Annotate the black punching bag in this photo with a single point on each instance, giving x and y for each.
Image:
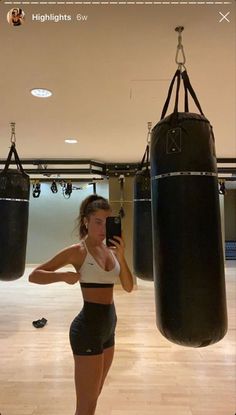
(142, 225)
(14, 206)
(188, 254)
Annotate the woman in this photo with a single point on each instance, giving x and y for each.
(17, 17)
(97, 269)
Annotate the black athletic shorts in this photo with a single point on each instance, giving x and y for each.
(93, 330)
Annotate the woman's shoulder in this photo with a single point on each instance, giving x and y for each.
(78, 252)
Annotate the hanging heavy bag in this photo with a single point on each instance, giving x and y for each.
(14, 206)
(142, 223)
(188, 255)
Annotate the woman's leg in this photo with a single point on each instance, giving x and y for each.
(90, 374)
(108, 357)
(88, 378)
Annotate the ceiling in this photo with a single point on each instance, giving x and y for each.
(109, 75)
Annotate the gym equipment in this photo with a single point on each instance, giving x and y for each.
(36, 189)
(14, 206)
(188, 254)
(142, 220)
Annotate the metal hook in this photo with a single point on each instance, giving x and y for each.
(180, 50)
(13, 133)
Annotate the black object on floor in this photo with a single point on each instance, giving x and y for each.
(38, 324)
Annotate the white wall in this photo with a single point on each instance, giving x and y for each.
(52, 220)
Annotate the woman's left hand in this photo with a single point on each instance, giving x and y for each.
(118, 248)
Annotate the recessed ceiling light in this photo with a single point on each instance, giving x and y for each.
(41, 93)
(71, 141)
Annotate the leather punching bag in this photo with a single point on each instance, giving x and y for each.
(14, 206)
(142, 224)
(188, 254)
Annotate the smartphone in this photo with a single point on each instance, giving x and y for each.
(113, 228)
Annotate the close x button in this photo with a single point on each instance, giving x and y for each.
(224, 17)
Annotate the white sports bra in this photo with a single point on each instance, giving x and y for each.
(92, 273)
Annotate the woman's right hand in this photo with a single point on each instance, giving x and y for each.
(72, 277)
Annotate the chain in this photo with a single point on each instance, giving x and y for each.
(149, 132)
(13, 133)
(180, 58)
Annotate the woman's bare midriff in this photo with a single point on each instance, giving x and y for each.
(98, 295)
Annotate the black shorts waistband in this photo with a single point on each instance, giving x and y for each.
(97, 310)
(97, 313)
(98, 305)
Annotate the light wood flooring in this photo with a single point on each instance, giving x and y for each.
(149, 376)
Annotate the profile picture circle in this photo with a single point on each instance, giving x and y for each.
(16, 17)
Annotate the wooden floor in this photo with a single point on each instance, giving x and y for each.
(149, 376)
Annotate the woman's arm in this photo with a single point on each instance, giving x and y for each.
(126, 277)
(45, 273)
